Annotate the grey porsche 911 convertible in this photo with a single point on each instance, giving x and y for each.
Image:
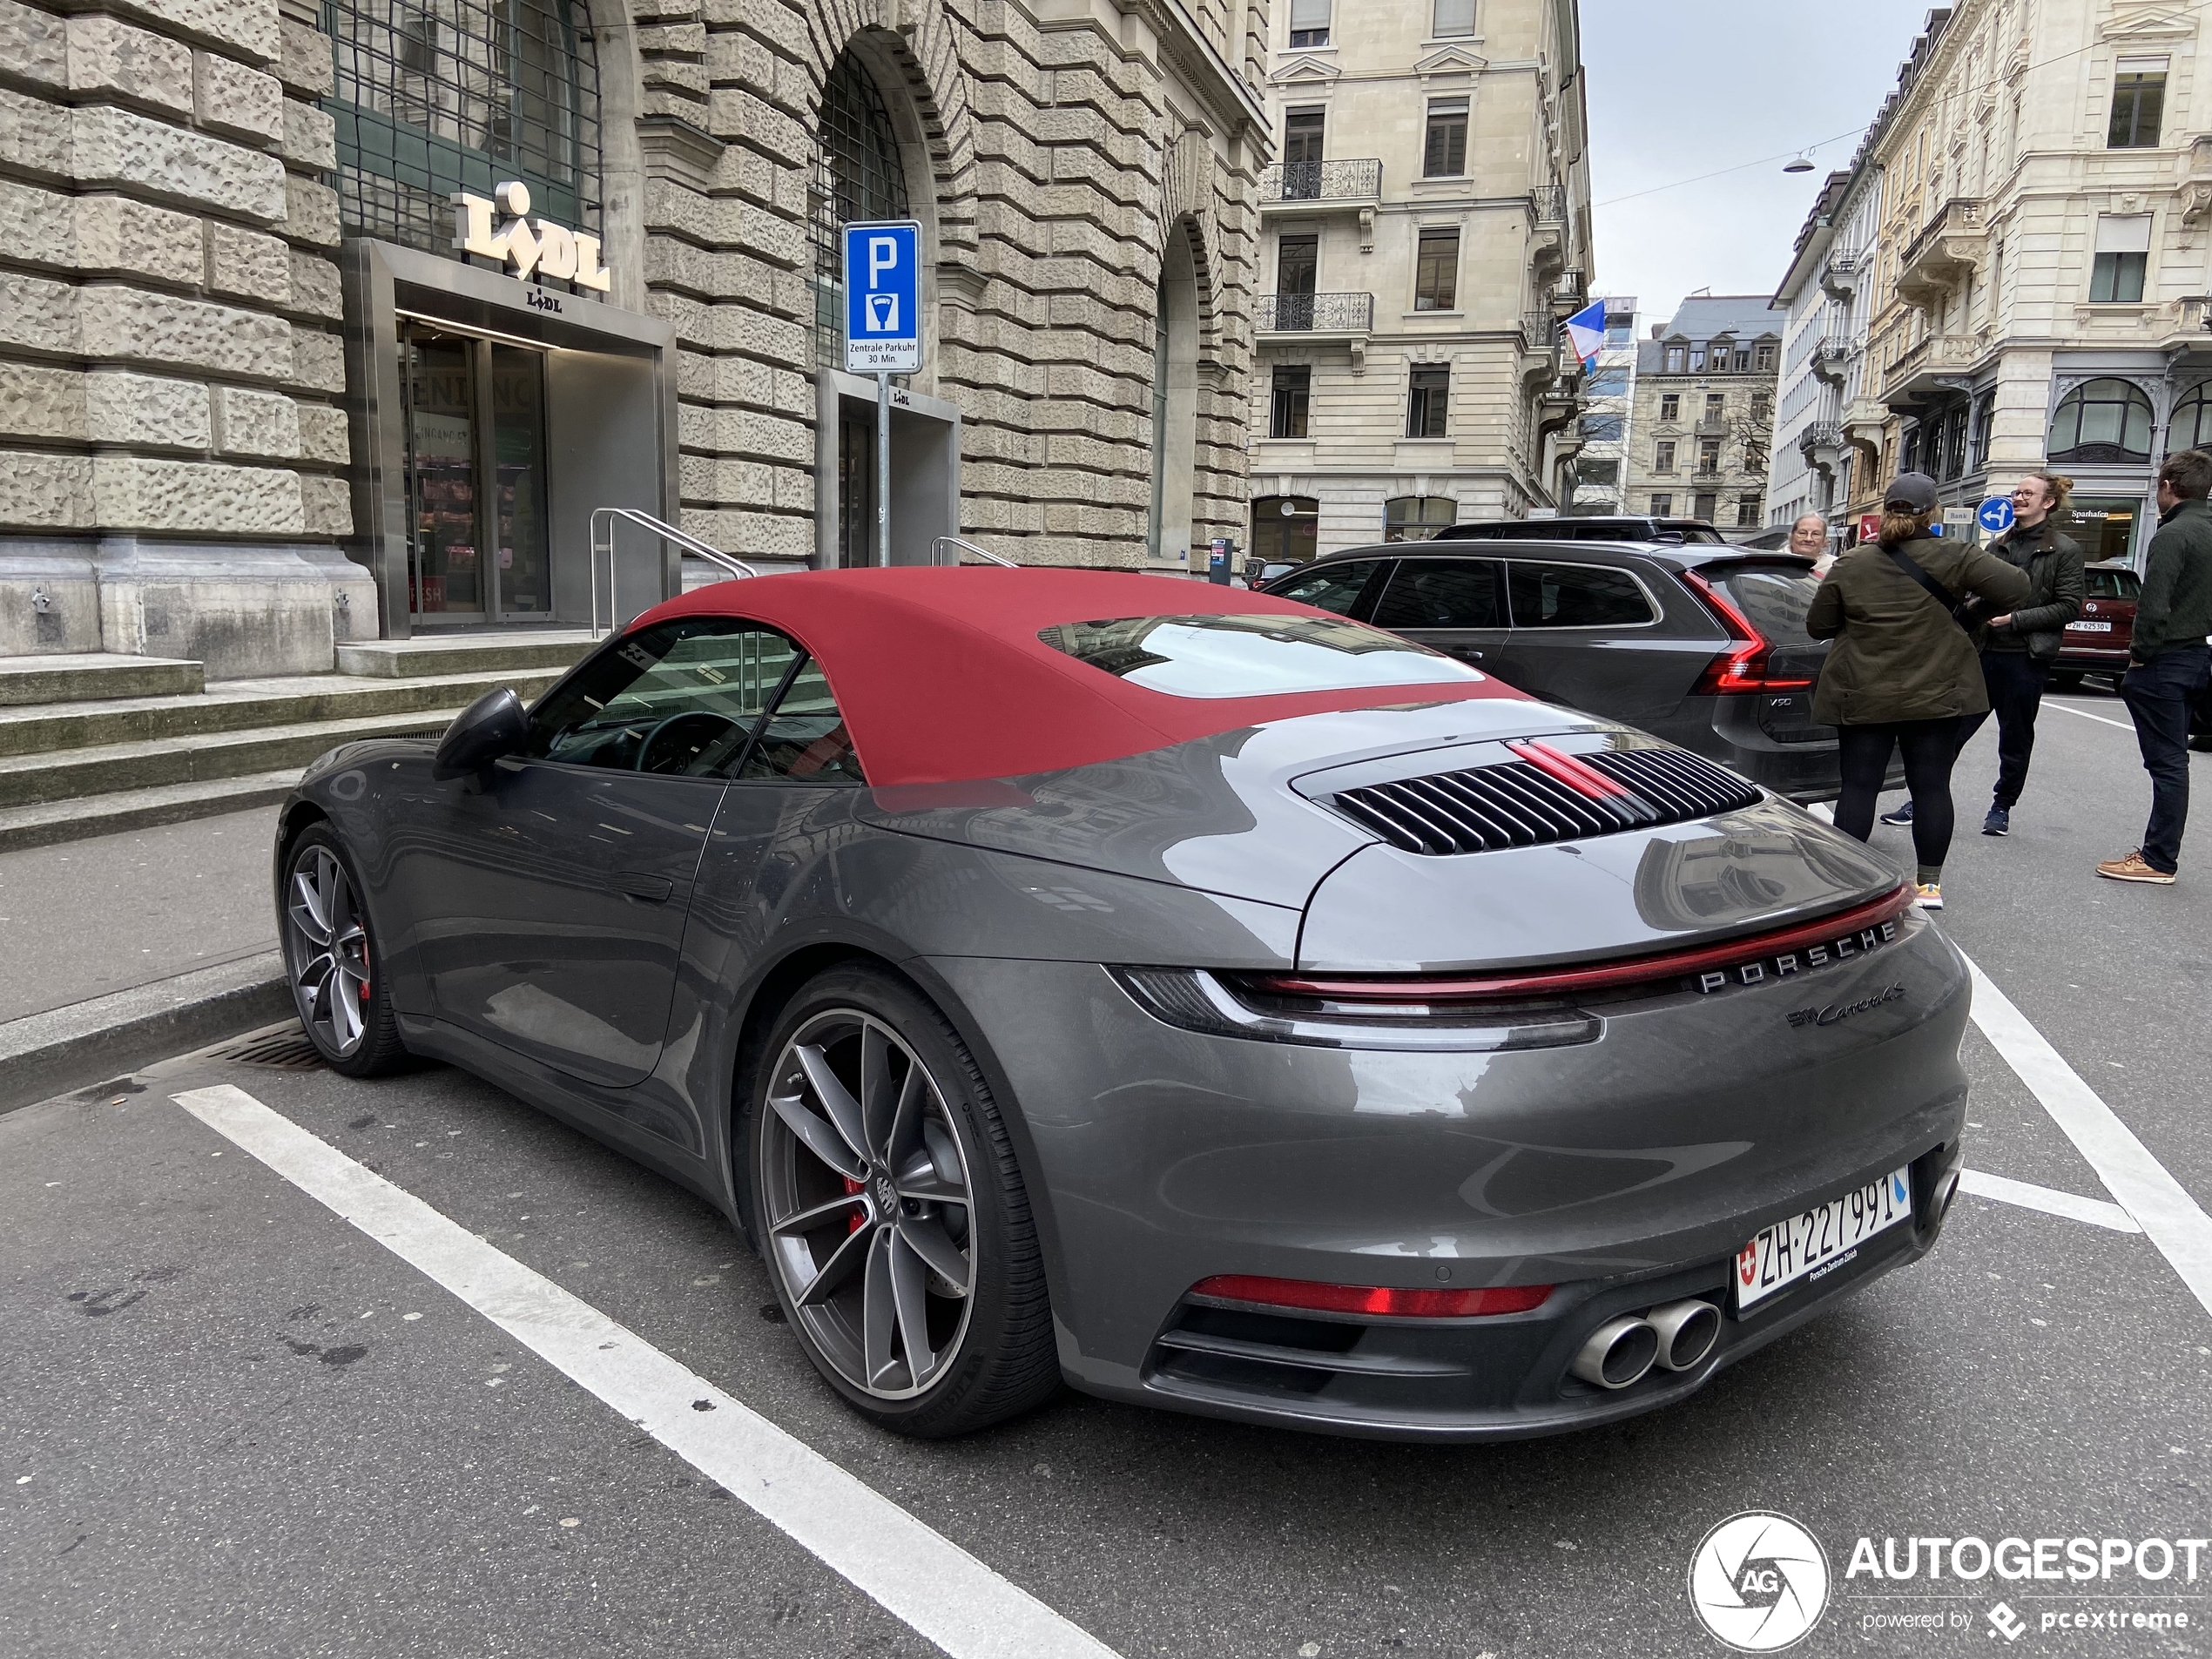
(1201, 999)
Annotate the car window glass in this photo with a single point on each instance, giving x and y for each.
(805, 740)
(2113, 584)
(1336, 588)
(1442, 593)
(1774, 600)
(1575, 595)
(679, 698)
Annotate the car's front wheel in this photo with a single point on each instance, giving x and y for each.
(337, 980)
(887, 1200)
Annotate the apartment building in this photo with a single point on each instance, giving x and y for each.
(1703, 412)
(1608, 410)
(2035, 283)
(1422, 238)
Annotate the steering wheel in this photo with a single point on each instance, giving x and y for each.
(693, 730)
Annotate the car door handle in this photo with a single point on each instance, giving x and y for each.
(635, 884)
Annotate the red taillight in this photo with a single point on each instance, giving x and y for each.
(1377, 1298)
(1743, 666)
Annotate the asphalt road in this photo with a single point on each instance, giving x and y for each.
(236, 1424)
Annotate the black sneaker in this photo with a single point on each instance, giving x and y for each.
(2000, 822)
(1902, 815)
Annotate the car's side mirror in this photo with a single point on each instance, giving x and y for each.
(493, 725)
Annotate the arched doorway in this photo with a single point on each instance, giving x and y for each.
(1175, 404)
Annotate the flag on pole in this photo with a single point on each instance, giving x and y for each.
(1586, 332)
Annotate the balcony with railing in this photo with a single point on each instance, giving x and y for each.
(1310, 185)
(1540, 330)
(1955, 240)
(1840, 277)
(1316, 313)
(1550, 202)
(1831, 359)
(1934, 360)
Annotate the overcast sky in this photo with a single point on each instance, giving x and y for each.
(1678, 88)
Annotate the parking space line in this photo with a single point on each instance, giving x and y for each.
(2050, 1200)
(916, 1575)
(2101, 719)
(2161, 1204)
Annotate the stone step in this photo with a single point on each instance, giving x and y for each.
(48, 823)
(431, 655)
(238, 705)
(93, 676)
(27, 780)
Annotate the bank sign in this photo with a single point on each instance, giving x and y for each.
(524, 249)
(883, 297)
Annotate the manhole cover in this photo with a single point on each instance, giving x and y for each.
(287, 1049)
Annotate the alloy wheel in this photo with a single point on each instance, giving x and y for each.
(866, 1201)
(328, 952)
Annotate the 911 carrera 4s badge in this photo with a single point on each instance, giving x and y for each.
(1764, 970)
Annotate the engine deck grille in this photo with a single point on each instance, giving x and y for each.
(1515, 803)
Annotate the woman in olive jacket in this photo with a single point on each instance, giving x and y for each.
(1904, 668)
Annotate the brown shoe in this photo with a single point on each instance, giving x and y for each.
(2132, 868)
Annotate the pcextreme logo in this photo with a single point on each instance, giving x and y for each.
(1758, 1582)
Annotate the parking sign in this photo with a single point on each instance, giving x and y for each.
(883, 297)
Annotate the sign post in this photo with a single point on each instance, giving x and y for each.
(883, 332)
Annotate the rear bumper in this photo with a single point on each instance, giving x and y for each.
(1626, 1172)
(2091, 659)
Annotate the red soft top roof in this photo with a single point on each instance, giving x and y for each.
(941, 677)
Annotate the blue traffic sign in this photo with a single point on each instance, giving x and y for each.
(1995, 514)
(883, 297)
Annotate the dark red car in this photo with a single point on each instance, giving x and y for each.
(2097, 641)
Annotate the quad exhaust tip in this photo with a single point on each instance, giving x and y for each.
(1622, 1351)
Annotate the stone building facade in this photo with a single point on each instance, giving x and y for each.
(1423, 237)
(1704, 416)
(265, 385)
(2032, 288)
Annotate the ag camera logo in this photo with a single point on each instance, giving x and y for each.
(1758, 1582)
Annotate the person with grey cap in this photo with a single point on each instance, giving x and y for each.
(1904, 668)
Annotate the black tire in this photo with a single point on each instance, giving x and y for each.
(2066, 679)
(999, 1356)
(339, 976)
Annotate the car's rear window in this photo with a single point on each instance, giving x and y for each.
(1251, 656)
(2113, 584)
(1774, 596)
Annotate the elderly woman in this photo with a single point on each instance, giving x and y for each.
(1904, 668)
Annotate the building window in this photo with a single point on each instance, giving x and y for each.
(858, 176)
(1284, 530)
(1676, 357)
(1445, 155)
(2191, 427)
(1309, 23)
(1453, 17)
(1663, 455)
(1436, 270)
(1671, 407)
(1762, 359)
(1984, 411)
(1663, 504)
(1701, 505)
(2122, 251)
(1716, 354)
(1428, 390)
(1761, 407)
(1608, 382)
(1417, 518)
(481, 93)
(1708, 458)
(1603, 429)
(2107, 420)
(1747, 512)
(1287, 410)
(1301, 135)
(1715, 406)
(2138, 103)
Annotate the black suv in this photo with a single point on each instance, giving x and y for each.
(1701, 644)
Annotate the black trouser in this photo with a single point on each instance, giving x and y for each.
(1930, 748)
(2015, 682)
(2158, 693)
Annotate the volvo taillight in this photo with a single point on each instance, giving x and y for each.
(1743, 665)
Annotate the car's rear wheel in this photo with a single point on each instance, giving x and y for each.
(338, 983)
(887, 1200)
(2066, 679)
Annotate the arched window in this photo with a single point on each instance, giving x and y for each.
(857, 177)
(449, 95)
(2104, 420)
(1284, 528)
(1417, 518)
(2191, 427)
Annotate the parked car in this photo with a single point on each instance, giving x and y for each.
(1610, 528)
(2096, 642)
(1701, 644)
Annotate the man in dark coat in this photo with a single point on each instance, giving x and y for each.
(2168, 662)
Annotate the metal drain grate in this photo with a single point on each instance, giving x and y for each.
(287, 1049)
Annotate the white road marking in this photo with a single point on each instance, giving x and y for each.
(2101, 719)
(940, 1589)
(2174, 1221)
(2095, 1211)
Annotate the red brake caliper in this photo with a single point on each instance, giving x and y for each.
(853, 1223)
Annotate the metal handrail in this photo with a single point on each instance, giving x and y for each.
(667, 533)
(961, 544)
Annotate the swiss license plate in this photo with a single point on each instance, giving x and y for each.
(2089, 627)
(1815, 1242)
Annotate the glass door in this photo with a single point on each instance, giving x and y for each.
(856, 490)
(523, 570)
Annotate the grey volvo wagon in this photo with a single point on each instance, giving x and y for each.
(1703, 644)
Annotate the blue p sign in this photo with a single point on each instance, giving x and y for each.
(883, 297)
